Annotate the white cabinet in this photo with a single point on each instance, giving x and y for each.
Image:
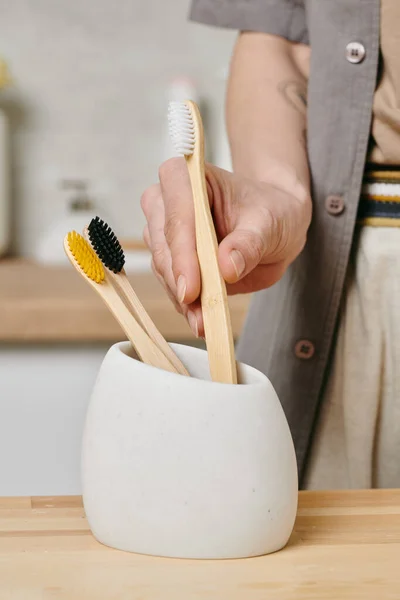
(44, 392)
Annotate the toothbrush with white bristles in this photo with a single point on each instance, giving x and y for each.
(186, 130)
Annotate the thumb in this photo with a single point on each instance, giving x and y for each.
(242, 250)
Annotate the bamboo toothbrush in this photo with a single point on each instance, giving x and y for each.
(107, 247)
(86, 262)
(187, 134)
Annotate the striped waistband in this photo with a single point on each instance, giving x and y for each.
(380, 198)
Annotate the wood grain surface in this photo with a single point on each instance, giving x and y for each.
(51, 304)
(345, 545)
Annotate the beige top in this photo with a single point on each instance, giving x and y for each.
(385, 134)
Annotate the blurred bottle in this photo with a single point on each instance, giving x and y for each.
(5, 202)
(78, 212)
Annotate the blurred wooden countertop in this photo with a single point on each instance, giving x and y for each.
(345, 545)
(51, 304)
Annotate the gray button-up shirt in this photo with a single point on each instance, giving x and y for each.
(290, 329)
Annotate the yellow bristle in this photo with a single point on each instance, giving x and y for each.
(85, 257)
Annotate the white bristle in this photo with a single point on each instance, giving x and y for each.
(377, 188)
(181, 127)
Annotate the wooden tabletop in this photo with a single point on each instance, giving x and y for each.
(345, 545)
(51, 304)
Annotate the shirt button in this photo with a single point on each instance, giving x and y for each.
(304, 349)
(355, 52)
(334, 205)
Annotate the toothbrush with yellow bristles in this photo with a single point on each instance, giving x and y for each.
(90, 267)
(108, 249)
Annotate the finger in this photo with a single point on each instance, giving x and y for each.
(156, 238)
(180, 229)
(194, 316)
(192, 312)
(147, 199)
(241, 251)
(261, 278)
(170, 295)
(146, 237)
(252, 241)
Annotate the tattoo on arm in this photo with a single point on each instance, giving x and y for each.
(295, 93)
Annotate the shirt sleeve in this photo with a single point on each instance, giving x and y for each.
(286, 18)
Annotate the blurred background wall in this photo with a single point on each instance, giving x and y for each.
(89, 100)
(91, 81)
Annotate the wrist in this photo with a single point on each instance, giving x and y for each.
(293, 179)
(287, 178)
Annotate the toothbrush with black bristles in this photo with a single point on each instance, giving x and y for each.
(107, 247)
(89, 266)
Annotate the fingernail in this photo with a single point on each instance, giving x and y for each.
(193, 323)
(238, 262)
(181, 288)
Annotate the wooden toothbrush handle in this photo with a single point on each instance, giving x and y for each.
(140, 313)
(214, 300)
(146, 349)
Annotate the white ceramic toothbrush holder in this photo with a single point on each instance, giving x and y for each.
(184, 467)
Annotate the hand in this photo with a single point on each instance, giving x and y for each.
(261, 228)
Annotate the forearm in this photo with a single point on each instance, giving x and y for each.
(266, 110)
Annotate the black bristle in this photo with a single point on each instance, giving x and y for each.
(106, 245)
